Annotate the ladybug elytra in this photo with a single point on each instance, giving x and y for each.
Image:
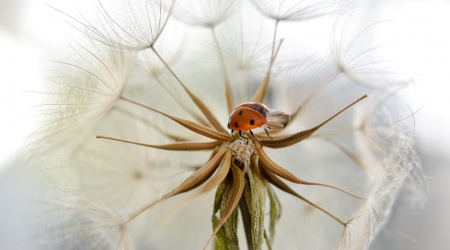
(250, 115)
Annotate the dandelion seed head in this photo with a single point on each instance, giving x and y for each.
(360, 52)
(204, 12)
(156, 97)
(126, 25)
(78, 93)
(82, 225)
(295, 11)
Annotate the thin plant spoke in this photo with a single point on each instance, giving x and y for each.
(272, 167)
(174, 146)
(228, 92)
(349, 154)
(220, 175)
(193, 181)
(262, 90)
(281, 185)
(300, 136)
(216, 180)
(197, 128)
(205, 110)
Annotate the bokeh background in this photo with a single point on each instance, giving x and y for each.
(30, 33)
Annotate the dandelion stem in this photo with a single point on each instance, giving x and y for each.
(247, 221)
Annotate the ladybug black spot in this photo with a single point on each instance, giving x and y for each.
(240, 113)
(252, 122)
(236, 124)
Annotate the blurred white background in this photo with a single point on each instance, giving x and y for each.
(29, 34)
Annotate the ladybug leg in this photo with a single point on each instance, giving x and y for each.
(256, 138)
(240, 133)
(232, 135)
(267, 133)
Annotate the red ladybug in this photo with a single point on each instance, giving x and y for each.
(250, 115)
